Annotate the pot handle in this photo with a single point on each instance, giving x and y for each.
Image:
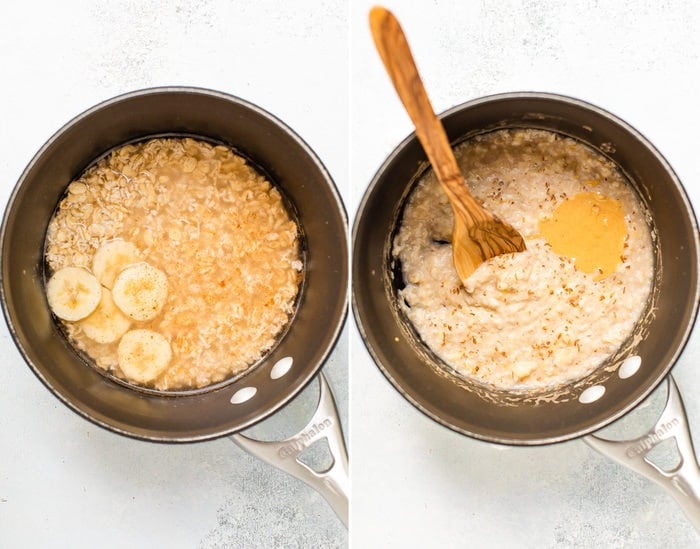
(331, 483)
(683, 480)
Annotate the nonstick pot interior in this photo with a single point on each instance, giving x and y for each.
(503, 418)
(271, 146)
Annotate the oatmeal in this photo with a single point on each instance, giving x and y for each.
(196, 258)
(539, 318)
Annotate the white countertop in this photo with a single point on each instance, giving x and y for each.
(416, 483)
(63, 481)
(67, 483)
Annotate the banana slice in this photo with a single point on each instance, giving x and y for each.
(107, 323)
(140, 291)
(111, 258)
(143, 355)
(73, 293)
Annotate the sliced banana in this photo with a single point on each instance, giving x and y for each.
(73, 293)
(140, 291)
(111, 258)
(107, 323)
(143, 355)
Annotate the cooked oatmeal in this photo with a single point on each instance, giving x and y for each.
(205, 233)
(530, 320)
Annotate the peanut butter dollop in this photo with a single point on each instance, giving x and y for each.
(590, 228)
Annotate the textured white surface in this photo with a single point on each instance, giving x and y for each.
(63, 481)
(66, 483)
(415, 483)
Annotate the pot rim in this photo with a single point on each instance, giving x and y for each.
(377, 356)
(333, 333)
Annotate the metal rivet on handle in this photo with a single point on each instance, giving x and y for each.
(591, 394)
(281, 367)
(243, 395)
(629, 366)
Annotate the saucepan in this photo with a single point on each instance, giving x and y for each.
(231, 406)
(583, 407)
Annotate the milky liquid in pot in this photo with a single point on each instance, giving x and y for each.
(214, 225)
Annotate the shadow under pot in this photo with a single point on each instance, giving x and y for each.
(302, 347)
(583, 406)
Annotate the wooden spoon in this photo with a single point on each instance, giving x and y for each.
(477, 234)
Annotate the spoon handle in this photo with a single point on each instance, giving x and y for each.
(395, 53)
